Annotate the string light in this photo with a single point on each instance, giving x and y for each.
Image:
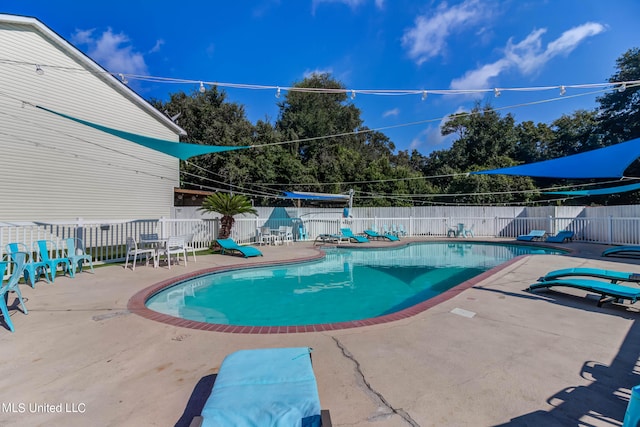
(619, 85)
(563, 90)
(123, 78)
(278, 93)
(353, 94)
(424, 95)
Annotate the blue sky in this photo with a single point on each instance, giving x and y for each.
(368, 45)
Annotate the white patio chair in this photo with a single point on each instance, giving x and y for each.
(133, 250)
(266, 236)
(188, 245)
(175, 246)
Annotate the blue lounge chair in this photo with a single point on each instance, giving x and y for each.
(49, 254)
(624, 251)
(32, 269)
(561, 237)
(533, 235)
(612, 275)
(231, 245)
(265, 387)
(77, 255)
(375, 235)
(11, 286)
(349, 234)
(608, 291)
(328, 238)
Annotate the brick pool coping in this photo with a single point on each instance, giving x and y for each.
(137, 303)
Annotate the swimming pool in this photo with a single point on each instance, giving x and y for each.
(348, 284)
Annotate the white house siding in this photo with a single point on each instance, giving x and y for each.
(54, 169)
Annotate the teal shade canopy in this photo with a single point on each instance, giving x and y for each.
(180, 150)
(598, 191)
(607, 162)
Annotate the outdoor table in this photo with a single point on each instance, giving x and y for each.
(156, 244)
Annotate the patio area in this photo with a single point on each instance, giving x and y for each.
(492, 355)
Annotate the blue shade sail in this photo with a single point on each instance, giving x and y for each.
(607, 162)
(598, 191)
(180, 150)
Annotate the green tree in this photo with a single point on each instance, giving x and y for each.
(572, 134)
(228, 206)
(209, 119)
(619, 110)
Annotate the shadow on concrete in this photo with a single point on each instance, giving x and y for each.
(604, 401)
(198, 398)
(568, 300)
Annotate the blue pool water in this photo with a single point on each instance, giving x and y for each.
(348, 284)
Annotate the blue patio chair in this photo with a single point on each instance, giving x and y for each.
(374, 235)
(612, 275)
(265, 387)
(32, 268)
(622, 251)
(230, 245)
(77, 255)
(49, 253)
(11, 286)
(608, 291)
(302, 233)
(349, 234)
(561, 237)
(533, 235)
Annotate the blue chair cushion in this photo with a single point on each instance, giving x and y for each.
(264, 387)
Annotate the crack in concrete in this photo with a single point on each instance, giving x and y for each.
(399, 411)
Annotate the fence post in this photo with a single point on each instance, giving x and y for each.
(162, 227)
(610, 230)
(80, 229)
(410, 226)
(495, 226)
(551, 225)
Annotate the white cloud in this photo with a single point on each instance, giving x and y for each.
(112, 51)
(391, 113)
(428, 37)
(480, 77)
(380, 4)
(309, 73)
(157, 46)
(431, 138)
(528, 56)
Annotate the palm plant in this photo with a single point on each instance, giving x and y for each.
(228, 205)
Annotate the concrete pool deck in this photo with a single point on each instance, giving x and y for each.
(492, 355)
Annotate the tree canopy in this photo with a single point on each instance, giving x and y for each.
(319, 142)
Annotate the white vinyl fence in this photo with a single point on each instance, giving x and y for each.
(105, 240)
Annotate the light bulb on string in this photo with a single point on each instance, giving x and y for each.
(202, 88)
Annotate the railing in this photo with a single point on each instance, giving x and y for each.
(106, 240)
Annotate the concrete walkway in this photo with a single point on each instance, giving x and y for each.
(493, 355)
